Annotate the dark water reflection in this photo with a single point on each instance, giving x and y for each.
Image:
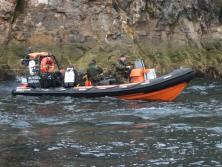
(46, 131)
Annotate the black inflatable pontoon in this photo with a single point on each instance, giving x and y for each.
(165, 88)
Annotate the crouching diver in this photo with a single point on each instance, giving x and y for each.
(94, 72)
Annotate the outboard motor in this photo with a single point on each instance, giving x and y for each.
(70, 77)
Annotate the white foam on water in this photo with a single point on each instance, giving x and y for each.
(76, 146)
(116, 123)
(36, 150)
(54, 148)
(160, 145)
(119, 144)
(219, 145)
(20, 124)
(198, 163)
(95, 154)
(172, 148)
(216, 129)
(153, 113)
(198, 88)
(47, 102)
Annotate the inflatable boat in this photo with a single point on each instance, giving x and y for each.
(165, 88)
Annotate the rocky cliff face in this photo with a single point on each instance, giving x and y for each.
(164, 32)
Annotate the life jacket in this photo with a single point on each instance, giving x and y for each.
(47, 65)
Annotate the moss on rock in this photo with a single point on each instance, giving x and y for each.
(164, 57)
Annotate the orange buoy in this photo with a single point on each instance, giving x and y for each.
(88, 83)
(47, 65)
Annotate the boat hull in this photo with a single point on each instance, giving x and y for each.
(165, 88)
(167, 94)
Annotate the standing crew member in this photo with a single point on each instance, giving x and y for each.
(122, 70)
(94, 72)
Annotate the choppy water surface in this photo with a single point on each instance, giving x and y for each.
(50, 131)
